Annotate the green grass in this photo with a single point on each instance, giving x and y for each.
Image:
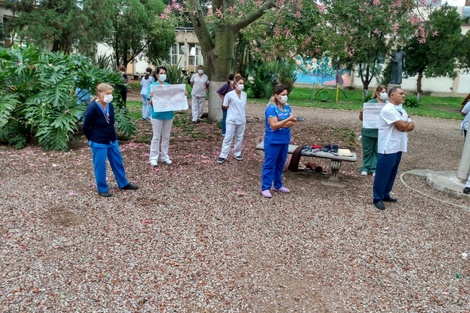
(431, 106)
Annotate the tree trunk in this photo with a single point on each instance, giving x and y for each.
(419, 85)
(218, 65)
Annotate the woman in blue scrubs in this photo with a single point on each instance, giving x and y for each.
(98, 128)
(279, 120)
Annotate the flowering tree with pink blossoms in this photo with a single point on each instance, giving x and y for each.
(436, 45)
(216, 34)
(362, 33)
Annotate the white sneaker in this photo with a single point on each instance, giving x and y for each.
(153, 162)
(363, 173)
(168, 162)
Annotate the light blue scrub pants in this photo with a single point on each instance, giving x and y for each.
(111, 151)
(145, 108)
(275, 156)
(385, 174)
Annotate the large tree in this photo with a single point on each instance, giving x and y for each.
(139, 29)
(436, 47)
(130, 27)
(216, 34)
(361, 33)
(55, 24)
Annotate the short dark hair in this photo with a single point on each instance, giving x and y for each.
(160, 68)
(231, 76)
(393, 90)
(279, 88)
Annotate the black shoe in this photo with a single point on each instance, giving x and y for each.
(390, 199)
(379, 205)
(220, 160)
(130, 186)
(466, 190)
(105, 194)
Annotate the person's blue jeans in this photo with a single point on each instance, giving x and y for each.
(275, 156)
(145, 108)
(385, 174)
(111, 151)
(224, 121)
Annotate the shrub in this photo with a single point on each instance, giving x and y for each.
(411, 102)
(262, 77)
(37, 96)
(174, 72)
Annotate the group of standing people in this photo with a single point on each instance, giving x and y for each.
(383, 147)
(278, 121)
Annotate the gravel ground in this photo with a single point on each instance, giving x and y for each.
(198, 237)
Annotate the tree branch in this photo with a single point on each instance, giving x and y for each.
(200, 26)
(253, 16)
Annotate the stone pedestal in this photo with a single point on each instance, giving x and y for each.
(390, 86)
(464, 166)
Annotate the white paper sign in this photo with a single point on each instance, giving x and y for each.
(169, 98)
(371, 115)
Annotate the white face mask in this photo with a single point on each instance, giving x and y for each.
(283, 99)
(162, 77)
(107, 98)
(200, 71)
(240, 87)
(383, 96)
(122, 73)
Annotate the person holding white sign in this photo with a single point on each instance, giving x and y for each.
(161, 124)
(369, 134)
(235, 102)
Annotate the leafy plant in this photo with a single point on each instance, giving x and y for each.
(174, 72)
(37, 96)
(411, 102)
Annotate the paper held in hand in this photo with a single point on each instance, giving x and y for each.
(371, 115)
(169, 98)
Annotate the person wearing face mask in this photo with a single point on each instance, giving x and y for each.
(278, 121)
(370, 135)
(123, 87)
(394, 125)
(235, 102)
(226, 88)
(161, 124)
(145, 83)
(200, 87)
(98, 128)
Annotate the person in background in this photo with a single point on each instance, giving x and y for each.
(278, 121)
(98, 128)
(223, 90)
(466, 119)
(83, 97)
(369, 135)
(145, 82)
(123, 87)
(235, 102)
(161, 124)
(392, 142)
(200, 87)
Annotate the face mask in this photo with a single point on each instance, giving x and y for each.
(283, 99)
(123, 73)
(232, 82)
(240, 87)
(162, 77)
(108, 98)
(200, 71)
(383, 96)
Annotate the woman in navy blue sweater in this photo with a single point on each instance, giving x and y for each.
(98, 128)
